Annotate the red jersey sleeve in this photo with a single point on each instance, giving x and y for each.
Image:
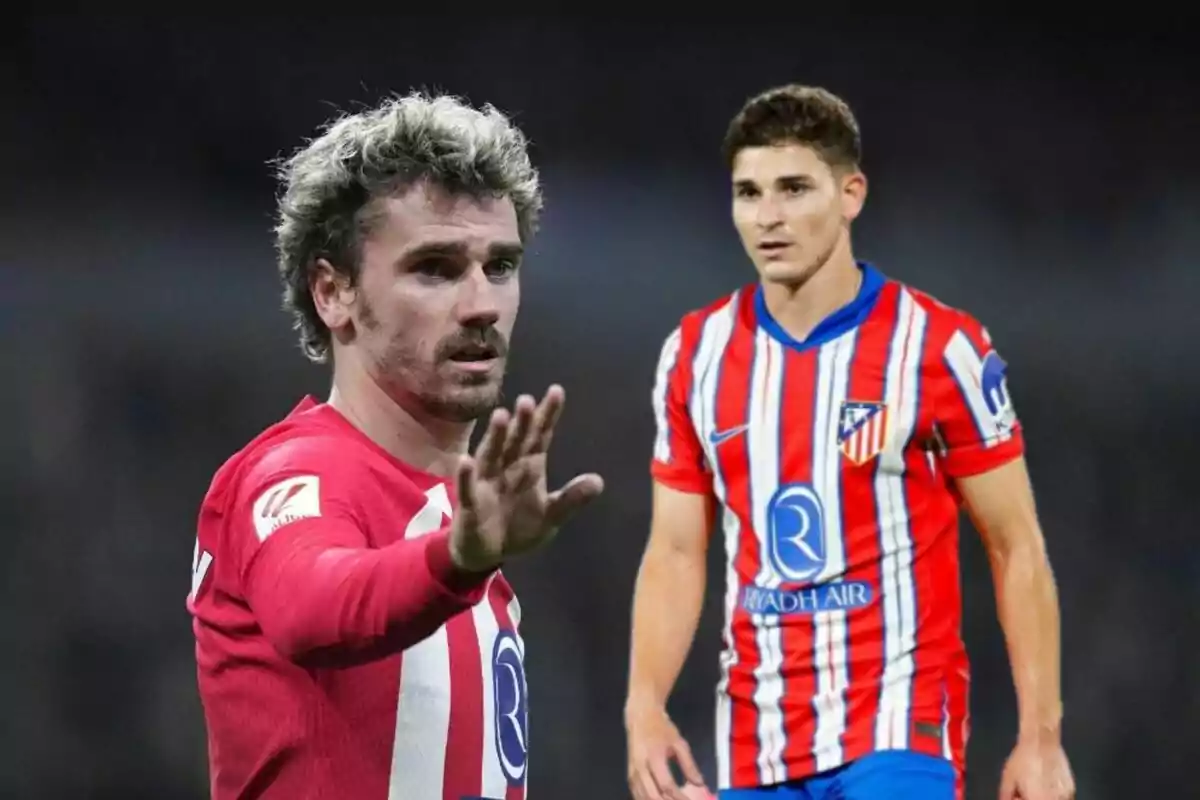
(318, 591)
(679, 460)
(976, 423)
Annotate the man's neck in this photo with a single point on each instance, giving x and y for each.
(426, 443)
(800, 309)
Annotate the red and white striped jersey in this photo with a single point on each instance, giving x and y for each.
(834, 461)
(335, 657)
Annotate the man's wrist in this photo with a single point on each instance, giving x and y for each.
(439, 554)
(1041, 730)
(463, 562)
(641, 702)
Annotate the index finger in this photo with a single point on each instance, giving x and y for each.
(545, 419)
(660, 773)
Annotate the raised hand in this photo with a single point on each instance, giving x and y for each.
(504, 507)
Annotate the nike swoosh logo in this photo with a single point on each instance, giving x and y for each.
(720, 437)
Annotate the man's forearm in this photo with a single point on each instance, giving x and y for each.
(338, 606)
(1027, 603)
(666, 611)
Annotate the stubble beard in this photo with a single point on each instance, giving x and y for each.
(463, 403)
(455, 398)
(407, 376)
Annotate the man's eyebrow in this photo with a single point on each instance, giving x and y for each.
(513, 250)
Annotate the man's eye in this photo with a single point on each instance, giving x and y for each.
(501, 267)
(434, 267)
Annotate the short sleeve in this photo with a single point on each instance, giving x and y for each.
(976, 421)
(679, 460)
(299, 486)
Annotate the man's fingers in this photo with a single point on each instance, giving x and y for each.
(660, 771)
(643, 785)
(578, 492)
(490, 451)
(465, 484)
(518, 430)
(1008, 786)
(545, 419)
(687, 764)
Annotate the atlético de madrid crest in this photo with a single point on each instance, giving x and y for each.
(862, 430)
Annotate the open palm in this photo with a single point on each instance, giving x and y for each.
(505, 508)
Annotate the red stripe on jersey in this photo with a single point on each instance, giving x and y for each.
(504, 620)
(732, 409)
(860, 530)
(940, 668)
(959, 723)
(465, 731)
(926, 707)
(684, 466)
(799, 392)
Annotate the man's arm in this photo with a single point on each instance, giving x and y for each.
(1001, 505)
(982, 450)
(668, 595)
(667, 600)
(670, 585)
(319, 591)
(323, 601)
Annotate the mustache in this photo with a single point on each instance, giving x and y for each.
(473, 341)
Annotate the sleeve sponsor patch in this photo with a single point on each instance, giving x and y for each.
(285, 502)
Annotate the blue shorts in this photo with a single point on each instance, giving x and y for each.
(887, 775)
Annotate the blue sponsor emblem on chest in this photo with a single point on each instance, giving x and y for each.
(799, 555)
(511, 699)
(796, 533)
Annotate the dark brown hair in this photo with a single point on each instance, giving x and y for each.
(795, 114)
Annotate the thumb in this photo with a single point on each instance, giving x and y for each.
(577, 493)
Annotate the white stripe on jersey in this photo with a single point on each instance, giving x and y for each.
(706, 380)
(947, 751)
(830, 646)
(423, 705)
(766, 390)
(967, 367)
(422, 721)
(662, 388)
(901, 394)
(706, 372)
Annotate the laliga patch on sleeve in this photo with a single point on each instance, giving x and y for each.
(993, 383)
(285, 502)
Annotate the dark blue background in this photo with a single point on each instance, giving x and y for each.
(1044, 177)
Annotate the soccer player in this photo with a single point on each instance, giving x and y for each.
(354, 635)
(829, 421)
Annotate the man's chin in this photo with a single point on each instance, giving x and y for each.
(465, 403)
(787, 272)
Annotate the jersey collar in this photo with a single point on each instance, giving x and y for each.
(844, 319)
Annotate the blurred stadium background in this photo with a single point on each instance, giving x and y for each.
(1043, 174)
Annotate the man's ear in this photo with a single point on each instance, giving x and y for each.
(332, 295)
(854, 194)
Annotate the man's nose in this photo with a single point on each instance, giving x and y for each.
(477, 300)
(769, 213)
